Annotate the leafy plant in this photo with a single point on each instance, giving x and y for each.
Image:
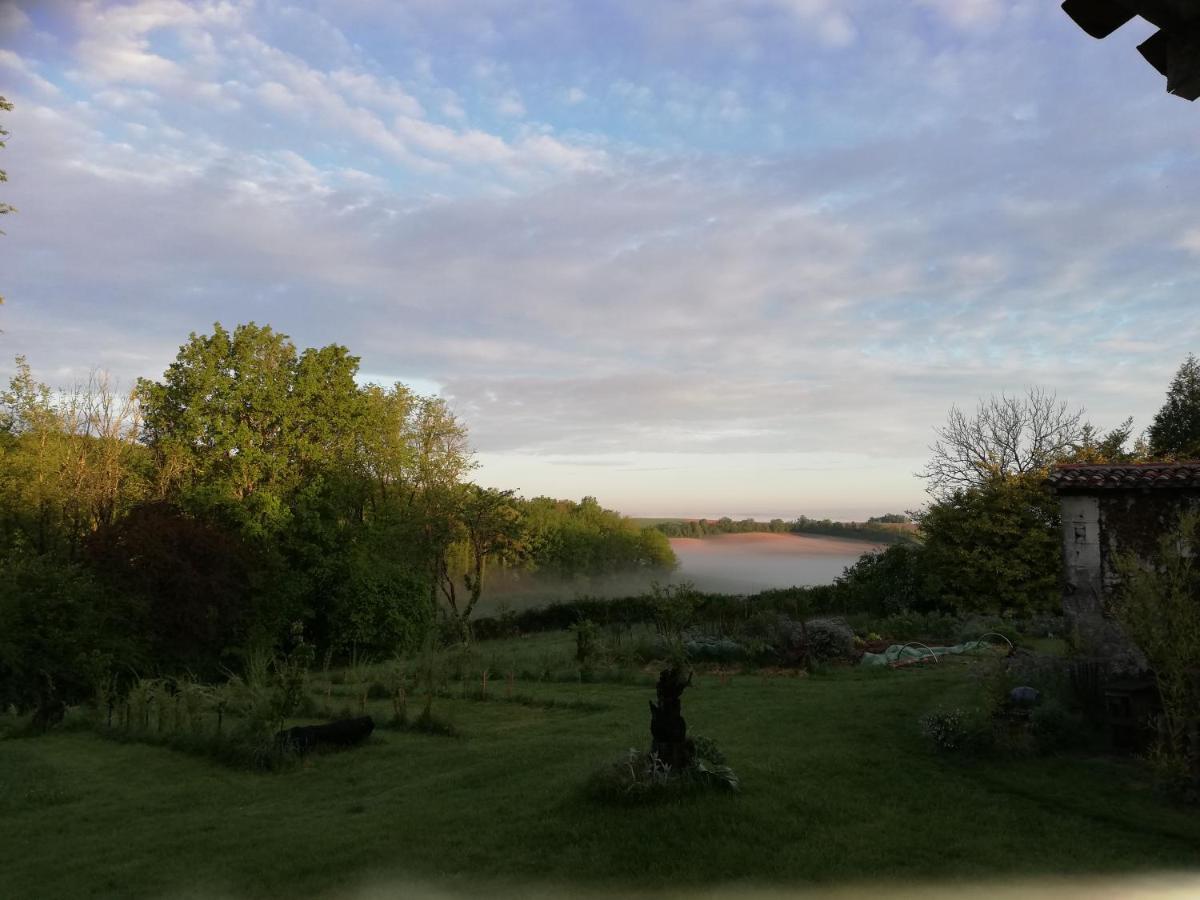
(639, 776)
(1159, 604)
(587, 643)
(958, 730)
(674, 606)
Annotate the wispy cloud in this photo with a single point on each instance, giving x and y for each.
(691, 228)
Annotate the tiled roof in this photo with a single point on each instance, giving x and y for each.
(1144, 475)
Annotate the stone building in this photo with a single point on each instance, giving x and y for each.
(1107, 510)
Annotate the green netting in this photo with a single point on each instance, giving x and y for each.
(902, 653)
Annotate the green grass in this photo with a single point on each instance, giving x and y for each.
(838, 787)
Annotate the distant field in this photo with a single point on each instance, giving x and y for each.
(761, 543)
(899, 527)
(755, 561)
(838, 789)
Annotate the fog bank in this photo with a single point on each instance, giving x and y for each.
(727, 563)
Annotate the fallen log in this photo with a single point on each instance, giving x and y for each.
(342, 733)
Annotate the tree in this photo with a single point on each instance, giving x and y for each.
(888, 581)
(240, 421)
(491, 528)
(994, 547)
(1007, 436)
(69, 461)
(5, 208)
(1095, 447)
(1175, 432)
(193, 581)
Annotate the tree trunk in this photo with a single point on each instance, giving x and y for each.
(668, 729)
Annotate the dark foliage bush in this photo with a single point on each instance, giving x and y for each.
(193, 579)
(886, 582)
(773, 639)
(829, 640)
(61, 634)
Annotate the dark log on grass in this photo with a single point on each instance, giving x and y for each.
(667, 727)
(343, 733)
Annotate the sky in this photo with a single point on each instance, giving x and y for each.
(691, 257)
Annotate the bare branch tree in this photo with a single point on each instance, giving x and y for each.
(1006, 436)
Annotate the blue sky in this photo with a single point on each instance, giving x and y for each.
(695, 258)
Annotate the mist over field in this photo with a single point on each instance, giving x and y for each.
(746, 563)
(726, 563)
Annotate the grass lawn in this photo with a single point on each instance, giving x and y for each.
(838, 787)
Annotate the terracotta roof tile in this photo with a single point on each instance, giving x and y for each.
(1153, 475)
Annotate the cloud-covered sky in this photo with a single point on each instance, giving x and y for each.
(695, 257)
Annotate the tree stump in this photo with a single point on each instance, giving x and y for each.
(668, 729)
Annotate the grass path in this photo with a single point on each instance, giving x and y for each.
(838, 788)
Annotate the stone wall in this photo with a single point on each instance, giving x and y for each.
(1096, 528)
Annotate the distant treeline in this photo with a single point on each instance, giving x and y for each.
(892, 528)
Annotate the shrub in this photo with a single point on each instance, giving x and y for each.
(587, 643)
(1159, 604)
(774, 639)
(1055, 728)
(639, 776)
(712, 649)
(60, 633)
(706, 748)
(885, 582)
(958, 730)
(829, 639)
(379, 607)
(674, 606)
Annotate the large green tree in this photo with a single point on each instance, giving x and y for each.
(343, 488)
(993, 548)
(241, 421)
(1175, 432)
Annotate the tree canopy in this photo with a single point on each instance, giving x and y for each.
(1006, 436)
(1175, 431)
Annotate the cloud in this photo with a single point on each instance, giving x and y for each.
(1190, 241)
(968, 15)
(223, 63)
(707, 253)
(510, 104)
